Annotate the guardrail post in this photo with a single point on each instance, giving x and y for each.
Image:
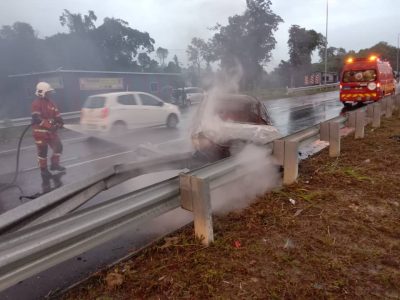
(351, 121)
(389, 107)
(334, 139)
(279, 151)
(291, 163)
(324, 131)
(383, 103)
(376, 118)
(360, 123)
(196, 197)
(369, 114)
(397, 104)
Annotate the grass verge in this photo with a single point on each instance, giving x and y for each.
(340, 240)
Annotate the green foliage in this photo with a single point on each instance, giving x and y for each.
(113, 45)
(302, 43)
(173, 66)
(245, 43)
(147, 64)
(162, 54)
(76, 23)
(383, 50)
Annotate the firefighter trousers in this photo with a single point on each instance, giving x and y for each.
(43, 144)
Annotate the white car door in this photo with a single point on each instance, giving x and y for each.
(152, 109)
(128, 111)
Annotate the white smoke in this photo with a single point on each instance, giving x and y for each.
(257, 173)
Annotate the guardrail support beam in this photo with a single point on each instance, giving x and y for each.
(279, 151)
(376, 118)
(370, 113)
(334, 139)
(397, 104)
(324, 131)
(291, 162)
(196, 196)
(360, 123)
(389, 107)
(351, 122)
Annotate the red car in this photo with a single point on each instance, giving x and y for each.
(224, 123)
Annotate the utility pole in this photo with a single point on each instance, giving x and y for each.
(326, 43)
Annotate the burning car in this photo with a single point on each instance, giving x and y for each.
(226, 122)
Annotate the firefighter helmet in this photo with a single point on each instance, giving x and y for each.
(42, 88)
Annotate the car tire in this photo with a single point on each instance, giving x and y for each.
(118, 128)
(172, 121)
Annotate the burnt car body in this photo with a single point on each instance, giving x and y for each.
(224, 123)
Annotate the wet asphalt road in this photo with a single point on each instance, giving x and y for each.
(84, 156)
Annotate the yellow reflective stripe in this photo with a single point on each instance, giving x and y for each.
(36, 112)
(39, 142)
(40, 130)
(56, 154)
(42, 158)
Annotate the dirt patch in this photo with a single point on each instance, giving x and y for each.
(339, 238)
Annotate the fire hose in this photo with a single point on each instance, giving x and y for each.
(13, 183)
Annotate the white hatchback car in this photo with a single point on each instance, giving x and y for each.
(119, 111)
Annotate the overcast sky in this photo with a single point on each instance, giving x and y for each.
(353, 24)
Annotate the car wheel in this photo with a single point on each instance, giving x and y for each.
(118, 128)
(172, 121)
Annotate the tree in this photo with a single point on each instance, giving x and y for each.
(383, 50)
(173, 66)
(76, 23)
(147, 64)
(247, 40)
(119, 44)
(302, 43)
(162, 54)
(336, 57)
(18, 49)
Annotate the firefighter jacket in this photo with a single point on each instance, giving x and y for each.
(46, 119)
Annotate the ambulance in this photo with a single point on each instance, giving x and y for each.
(366, 79)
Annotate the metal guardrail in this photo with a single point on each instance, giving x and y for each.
(49, 241)
(26, 121)
(71, 196)
(311, 88)
(32, 250)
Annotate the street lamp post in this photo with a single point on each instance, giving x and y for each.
(326, 43)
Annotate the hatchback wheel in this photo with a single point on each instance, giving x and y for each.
(118, 128)
(172, 121)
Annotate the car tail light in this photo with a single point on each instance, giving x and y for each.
(340, 86)
(378, 85)
(104, 112)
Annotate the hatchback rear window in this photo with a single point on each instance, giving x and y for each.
(95, 102)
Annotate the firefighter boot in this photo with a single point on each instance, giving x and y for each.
(46, 176)
(57, 167)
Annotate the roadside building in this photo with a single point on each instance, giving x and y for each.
(74, 86)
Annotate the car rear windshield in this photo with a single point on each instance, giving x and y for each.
(243, 112)
(359, 76)
(95, 102)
